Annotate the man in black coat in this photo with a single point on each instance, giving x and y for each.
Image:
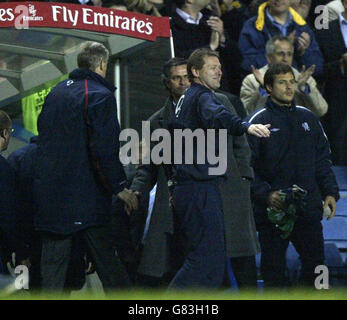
(78, 170)
(241, 242)
(158, 244)
(333, 44)
(7, 194)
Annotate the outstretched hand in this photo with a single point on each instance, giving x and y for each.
(259, 130)
(129, 197)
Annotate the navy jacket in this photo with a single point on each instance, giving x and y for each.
(200, 108)
(297, 152)
(78, 167)
(7, 208)
(258, 30)
(22, 161)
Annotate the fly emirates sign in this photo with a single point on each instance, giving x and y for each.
(23, 15)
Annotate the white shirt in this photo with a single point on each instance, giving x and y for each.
(187, 18)
(343, 26)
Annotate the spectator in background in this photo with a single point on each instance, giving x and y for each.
(279, 49)
(234, 14)
(191, 29)
(277, 17)
(333, 43)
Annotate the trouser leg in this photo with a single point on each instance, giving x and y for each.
(199, 219)
(101, 248)
(245, 271)
(307, 238)
(273, 256)
(54, 261)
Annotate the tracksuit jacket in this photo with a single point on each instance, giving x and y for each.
(78, 167)
(297, 152)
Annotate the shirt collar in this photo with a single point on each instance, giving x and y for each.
(342, 19)
(273, 21)
(188, 18)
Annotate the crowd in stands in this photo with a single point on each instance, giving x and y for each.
(250, 37)
(239, 31)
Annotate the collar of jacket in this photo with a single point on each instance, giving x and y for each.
(260, 21)
(81, 74)
(277, 108)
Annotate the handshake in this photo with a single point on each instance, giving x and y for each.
(130, 199)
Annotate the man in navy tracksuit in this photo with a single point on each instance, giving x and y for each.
(78, 170)
(196, 198)
(296, 153)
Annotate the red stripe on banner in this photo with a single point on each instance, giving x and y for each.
(71, 16)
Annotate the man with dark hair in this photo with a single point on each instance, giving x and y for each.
(78, 170)
(279, 49)
(294, 161)
(157, 242)
(198, 215)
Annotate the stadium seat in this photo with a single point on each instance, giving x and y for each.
(341, 208)
(335, 230)
(341, 176)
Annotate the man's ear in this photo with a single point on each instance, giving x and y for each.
(195, 72)
(102, 65)
(268, 88)
(2, 134)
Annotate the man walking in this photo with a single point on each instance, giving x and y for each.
(78, 171)
(196, 198)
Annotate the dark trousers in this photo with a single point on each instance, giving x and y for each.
(200, 232)
(245, 271)
(307, 238)
(99, 241)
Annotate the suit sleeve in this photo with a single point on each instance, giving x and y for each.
(103, 136)
(214, 115)
(249, 94)
(324, 174)
(312, 55)
(313, 100)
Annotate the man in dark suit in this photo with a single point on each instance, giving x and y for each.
(333, 44)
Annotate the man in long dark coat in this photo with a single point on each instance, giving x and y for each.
(241, 241)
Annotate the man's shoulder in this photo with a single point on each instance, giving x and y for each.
(305, 112)
(249, 25)
(257, 115)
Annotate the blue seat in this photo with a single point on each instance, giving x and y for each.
(335, 230)
(341, 176)
(333, 256)
(341, 208)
